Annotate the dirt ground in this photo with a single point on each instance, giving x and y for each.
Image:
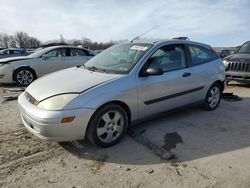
(212, 149)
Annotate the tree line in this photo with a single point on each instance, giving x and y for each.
(18, 40)
(24, 40)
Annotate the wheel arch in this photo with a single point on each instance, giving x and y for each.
(120, 103)
(24, 66)
(221, 84)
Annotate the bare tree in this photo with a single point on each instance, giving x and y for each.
(12, 42)
(74, 42)
(23, 40)
(33, 43)
(5, 40)
(86, 42)
(96, 45)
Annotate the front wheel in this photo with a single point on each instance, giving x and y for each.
(107, 125)
(213, 97)
(24, 76)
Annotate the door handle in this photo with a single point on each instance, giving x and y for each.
(186, 74)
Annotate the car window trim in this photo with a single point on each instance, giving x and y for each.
(67, 52)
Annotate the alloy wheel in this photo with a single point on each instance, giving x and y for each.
(25, 77)
(214, 97)
(110, 126)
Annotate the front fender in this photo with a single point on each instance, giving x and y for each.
(124, 91)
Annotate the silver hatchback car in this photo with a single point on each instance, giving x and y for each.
(125, 83)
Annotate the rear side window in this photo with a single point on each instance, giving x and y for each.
(78, 52)
(200, 55)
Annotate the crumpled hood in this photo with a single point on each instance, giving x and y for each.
(72, 80)
(238, 57)
(11, 59)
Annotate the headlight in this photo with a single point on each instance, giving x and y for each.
(57, 102)
(225, 62)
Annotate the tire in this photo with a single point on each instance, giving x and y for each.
(24, 76)
(107, 126)
(213, 97)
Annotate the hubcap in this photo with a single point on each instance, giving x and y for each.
(24, 77)
(214, 97)
(110, 126)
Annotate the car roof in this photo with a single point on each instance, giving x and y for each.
(161, 41)
(63, 46)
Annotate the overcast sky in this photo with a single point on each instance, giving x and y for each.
(218, 23)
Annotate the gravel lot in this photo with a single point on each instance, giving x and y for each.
(212, 149)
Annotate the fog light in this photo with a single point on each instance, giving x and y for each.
(68, 119)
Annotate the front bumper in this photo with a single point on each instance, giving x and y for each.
(238, 76)
(47, 124)
(6, 73)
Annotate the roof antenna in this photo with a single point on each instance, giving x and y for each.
(138, 36)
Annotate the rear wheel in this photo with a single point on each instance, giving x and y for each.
(107, 125)
(24, 76)
(213, 97)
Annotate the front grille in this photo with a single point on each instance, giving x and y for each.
(238, 66)
(31, 99)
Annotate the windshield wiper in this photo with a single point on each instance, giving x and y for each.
(94, 68)
(78, 66)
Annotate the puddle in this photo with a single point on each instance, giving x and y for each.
(171, 140)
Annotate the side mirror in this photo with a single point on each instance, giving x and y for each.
(45, 56)
(152, 72)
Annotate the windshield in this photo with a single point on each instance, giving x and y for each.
(3, 52)
(38, 53)
(118, 59)
(245, 48)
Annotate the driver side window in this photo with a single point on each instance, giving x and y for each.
(168, 58)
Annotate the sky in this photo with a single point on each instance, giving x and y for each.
(215, 22)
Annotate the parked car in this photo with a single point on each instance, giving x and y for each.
(238, 65)
(225, 53)
(13, 53)
(24, 70)
(123, 84)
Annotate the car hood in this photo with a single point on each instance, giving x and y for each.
(11, 59)
(72, 80)
(238, 57)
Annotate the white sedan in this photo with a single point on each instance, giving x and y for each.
(24, 70)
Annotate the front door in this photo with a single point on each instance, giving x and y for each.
(174, 88)
(53, 61)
